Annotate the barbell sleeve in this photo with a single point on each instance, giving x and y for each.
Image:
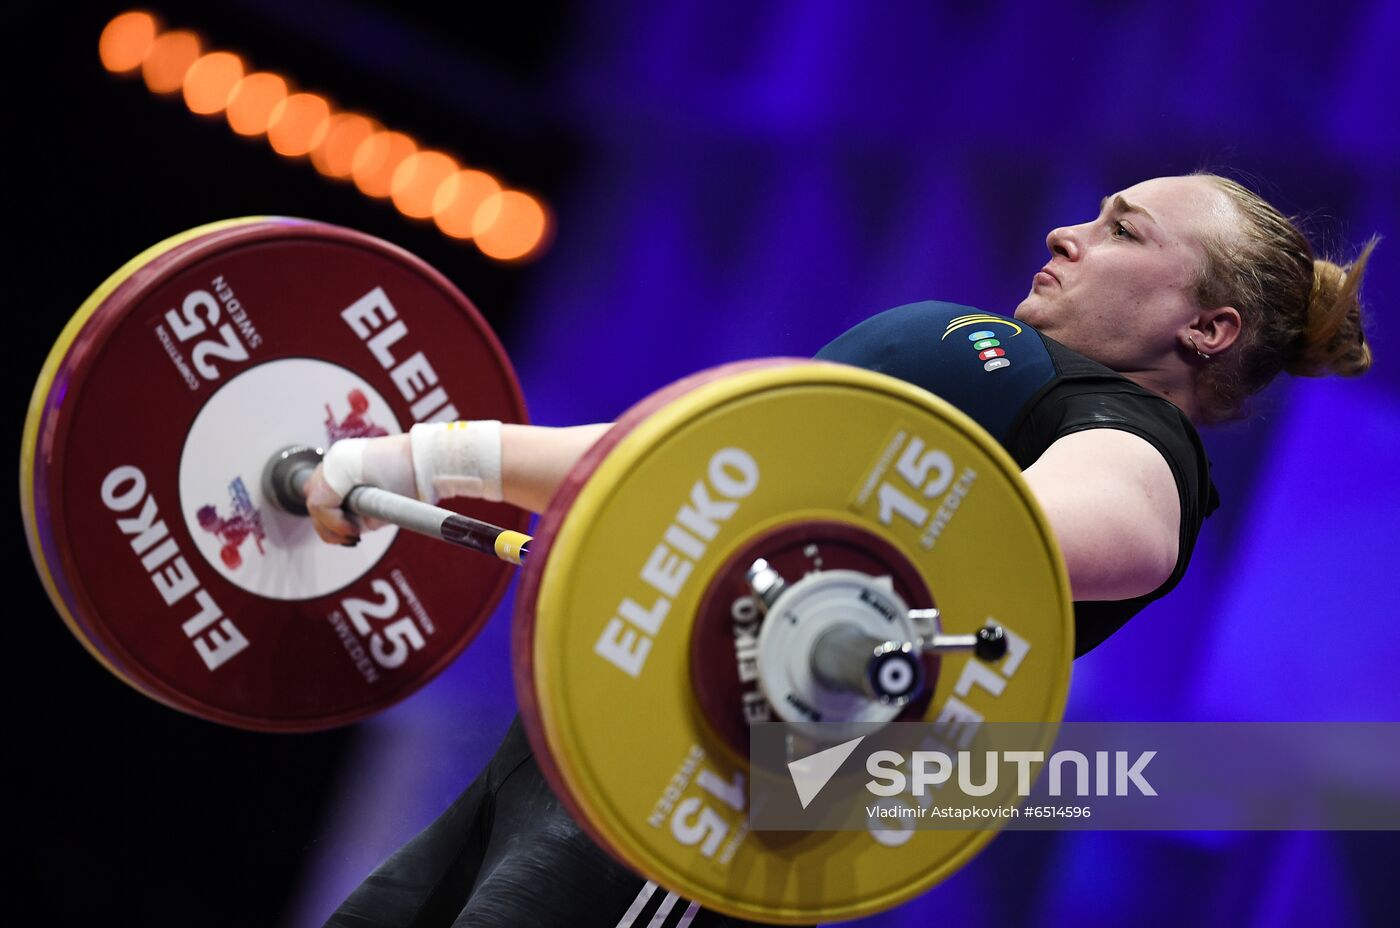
(846, 658)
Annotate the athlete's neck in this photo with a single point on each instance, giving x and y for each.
(1170, 386)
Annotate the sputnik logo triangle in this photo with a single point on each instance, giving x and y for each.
(811, 773)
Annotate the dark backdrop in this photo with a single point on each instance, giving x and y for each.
(734, 180)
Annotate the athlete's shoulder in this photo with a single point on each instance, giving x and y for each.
(988, 365)
(912, 330)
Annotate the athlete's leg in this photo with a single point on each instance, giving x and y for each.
(428, 880)
(541, 869)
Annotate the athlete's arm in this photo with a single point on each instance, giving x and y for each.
(1113, 506)
(1109, 495)
(535, 460)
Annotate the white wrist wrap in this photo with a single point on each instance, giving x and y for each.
(457, 459)
(344, 464)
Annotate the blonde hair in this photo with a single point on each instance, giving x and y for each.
(1300, 313)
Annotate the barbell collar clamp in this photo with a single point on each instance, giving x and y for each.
(766, 583)
(987, 643)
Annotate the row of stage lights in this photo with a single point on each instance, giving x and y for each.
(465, 204)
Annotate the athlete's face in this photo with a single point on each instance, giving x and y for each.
(1120, 288)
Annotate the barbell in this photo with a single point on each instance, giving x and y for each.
(769, 540)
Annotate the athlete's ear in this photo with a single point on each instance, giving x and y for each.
(1215, 329)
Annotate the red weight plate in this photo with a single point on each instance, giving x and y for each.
(147, 263)
(148, 449)
(724, 639)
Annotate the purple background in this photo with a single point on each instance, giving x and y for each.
(733, 180)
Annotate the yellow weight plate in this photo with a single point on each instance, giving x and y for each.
(608, 618)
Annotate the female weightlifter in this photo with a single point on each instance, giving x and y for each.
(1168, 310)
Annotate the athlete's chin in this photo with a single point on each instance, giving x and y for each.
(1033, 312)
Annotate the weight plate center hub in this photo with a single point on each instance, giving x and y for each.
(733, 618)
(246, 538)
(829, 653)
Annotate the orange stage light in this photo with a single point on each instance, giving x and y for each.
(416, 180)
(125, 41)
(457, 198)
(298, 124)
(376, 159)
(509, 225)
(252, 101)
(210, 80)
(167, 60)
(335, 156)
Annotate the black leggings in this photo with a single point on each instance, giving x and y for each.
(506, 853)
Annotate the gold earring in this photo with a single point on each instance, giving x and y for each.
(1199, 353)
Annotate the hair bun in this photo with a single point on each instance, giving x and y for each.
(1333, 340)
